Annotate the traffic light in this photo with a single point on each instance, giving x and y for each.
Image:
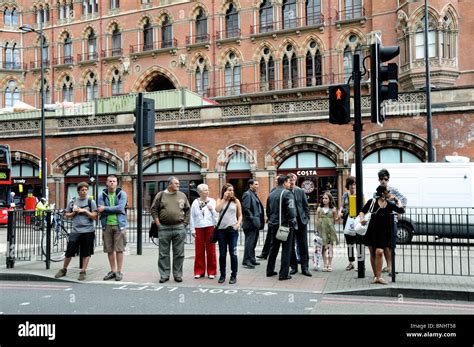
(89, 166)
(339, 104)
(380, 73)
(145, 111)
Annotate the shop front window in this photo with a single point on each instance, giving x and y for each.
(316, 174)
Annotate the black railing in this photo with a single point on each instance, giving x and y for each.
(429, 240)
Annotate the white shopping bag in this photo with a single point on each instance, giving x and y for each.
(318, 253)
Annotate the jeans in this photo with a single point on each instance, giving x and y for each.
(228, 238)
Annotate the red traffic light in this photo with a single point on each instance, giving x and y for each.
(338, 94)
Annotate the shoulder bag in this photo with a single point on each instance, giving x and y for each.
(360, 228)
(282, 232)
(214, 233)
(153, 232)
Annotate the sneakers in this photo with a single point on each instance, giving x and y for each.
(197, 276)
(211, 277)
(109, 276)
(82, 276)
(118, 276)
(60, 273)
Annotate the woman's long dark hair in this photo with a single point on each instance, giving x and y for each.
(224, 189)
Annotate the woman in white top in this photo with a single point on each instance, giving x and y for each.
(201, 223)
(228, 232)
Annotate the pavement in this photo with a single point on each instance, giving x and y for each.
(143, 269)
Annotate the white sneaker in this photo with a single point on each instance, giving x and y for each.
(197, 276)
(212, 277)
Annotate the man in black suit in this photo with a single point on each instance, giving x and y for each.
(254, 221)
(301, 234)
(268, 239)
(288, 219)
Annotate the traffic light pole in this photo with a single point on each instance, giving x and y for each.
(358, 161)
(139, 171)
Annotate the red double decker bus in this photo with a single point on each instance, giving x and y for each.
(5, 182)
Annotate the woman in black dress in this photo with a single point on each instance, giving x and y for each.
(379, 231)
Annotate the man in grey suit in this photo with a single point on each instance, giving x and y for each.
(301, 234)
(254, 221)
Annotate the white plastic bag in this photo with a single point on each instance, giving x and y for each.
(349, 229)
(318, 253)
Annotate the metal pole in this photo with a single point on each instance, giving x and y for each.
(44, 187)
(139, 172)
(428, 91)
(358, 158)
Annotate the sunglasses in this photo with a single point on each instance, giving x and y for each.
(384, 179)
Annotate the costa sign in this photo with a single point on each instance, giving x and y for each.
(306, 173)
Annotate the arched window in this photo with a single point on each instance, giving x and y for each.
(14, 17)
(116, 42)
(349, 56)
(7, 16)
(313, 66)
(47, 93)
(290, 68)
(231, 22)
(8, 56)
(67, 49)
(265, 15)
(202, 77)
(201, 27)
(92, 46)
(313, 12)
(25, 169)
(92, 90)
(447, 38)
(45, 53)
(267, 71)
(316, 173)
(147, 36)
(12, 94)
(391, 155)
(232, 75)
(289, 14)
(67, 89)
(117, 86)
(78, 173)
(166, 33)
(420, 39)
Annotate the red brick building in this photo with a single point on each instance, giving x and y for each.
(268, 63)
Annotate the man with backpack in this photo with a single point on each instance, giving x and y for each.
(83, 212)
(113, 218)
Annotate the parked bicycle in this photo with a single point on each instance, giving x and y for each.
(59, 236)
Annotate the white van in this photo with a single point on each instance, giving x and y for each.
(440, 197)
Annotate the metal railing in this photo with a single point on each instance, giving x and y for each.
(439, 241)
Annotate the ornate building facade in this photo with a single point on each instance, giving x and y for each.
(267, 63)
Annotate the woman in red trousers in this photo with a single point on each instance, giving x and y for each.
(202, 221)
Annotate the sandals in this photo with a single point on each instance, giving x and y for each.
(350, 267)
(329, 269)
(325, 268)
(379, 280)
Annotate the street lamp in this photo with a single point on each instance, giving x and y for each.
(43, 172)
(429, 138)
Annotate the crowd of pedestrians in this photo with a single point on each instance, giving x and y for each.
(212, 221)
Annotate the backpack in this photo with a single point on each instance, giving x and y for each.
(89, 203)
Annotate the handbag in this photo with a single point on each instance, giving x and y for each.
(349, 229)
(361, 229)
(216, 228)
(282, 232)
(153, 232)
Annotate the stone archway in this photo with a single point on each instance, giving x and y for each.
(155, 79)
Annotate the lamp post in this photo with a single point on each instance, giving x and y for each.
(43, 171)
(428, 90)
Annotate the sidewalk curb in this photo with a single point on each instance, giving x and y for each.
(413, 293)
(22, 276)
